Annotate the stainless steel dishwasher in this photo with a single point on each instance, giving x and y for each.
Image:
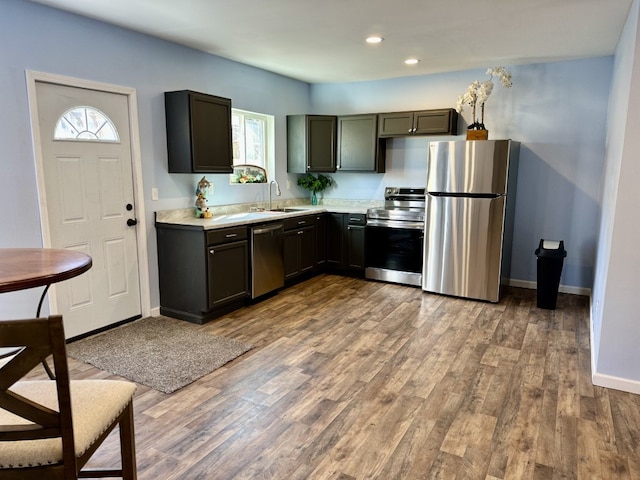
(267, 260)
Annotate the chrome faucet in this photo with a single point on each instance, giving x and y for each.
(278, 192)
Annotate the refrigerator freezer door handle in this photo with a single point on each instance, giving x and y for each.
(464, 195)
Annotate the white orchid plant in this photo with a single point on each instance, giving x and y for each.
(478, 93)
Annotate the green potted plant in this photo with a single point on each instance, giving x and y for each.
(315, 184)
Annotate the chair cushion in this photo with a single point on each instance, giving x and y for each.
(95, 404)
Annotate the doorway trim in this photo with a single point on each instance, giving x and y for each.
(136, 164)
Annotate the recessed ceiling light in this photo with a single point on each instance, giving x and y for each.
(411, 61)
(374, 39)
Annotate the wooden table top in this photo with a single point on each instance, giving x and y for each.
(22, 268)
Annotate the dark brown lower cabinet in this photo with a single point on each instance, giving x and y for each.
(227, 268)
(299, 246)
(205, 273)
(321, 240)
(355, 247)
(202, 274)
(335, 241)
(345, 242)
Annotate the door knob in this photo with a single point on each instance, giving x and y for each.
(132, 221)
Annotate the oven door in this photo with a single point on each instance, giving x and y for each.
(394, 254)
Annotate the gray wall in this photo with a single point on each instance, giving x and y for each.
(556, 110)
(615, 299)
(34, 37)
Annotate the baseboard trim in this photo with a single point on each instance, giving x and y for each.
(592, 345)
(155, 312)
(617, 383)
(602, 379)
(562, 289)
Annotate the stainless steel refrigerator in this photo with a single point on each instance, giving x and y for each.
(469, 217)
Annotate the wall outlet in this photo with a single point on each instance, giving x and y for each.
(154, 194)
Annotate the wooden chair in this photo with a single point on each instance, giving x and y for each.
(50, 428)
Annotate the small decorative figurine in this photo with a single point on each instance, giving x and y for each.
(202, 210)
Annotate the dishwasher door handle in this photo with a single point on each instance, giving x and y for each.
(267, 229)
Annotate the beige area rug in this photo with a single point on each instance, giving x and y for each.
(160, 352)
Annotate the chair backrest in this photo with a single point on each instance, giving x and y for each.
(37, 339)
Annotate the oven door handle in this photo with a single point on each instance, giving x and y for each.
(373, 222)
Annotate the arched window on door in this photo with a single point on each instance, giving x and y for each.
(85, 124)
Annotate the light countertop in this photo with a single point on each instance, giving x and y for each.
(231, 216)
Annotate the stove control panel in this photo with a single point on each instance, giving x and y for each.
(404, 193)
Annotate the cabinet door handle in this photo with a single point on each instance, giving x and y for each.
(354, 220)
(300, 232)
(231, 235)
(212, 251)
(302, 222)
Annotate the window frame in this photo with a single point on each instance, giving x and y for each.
(268, 145)
(61, 134)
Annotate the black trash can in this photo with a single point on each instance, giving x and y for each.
(550, 259)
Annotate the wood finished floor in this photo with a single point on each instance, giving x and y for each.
(351, 379)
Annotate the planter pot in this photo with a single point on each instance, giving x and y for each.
(477, 134)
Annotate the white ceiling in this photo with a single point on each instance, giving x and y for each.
(320, 41)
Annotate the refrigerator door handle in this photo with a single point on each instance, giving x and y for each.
(465, 195)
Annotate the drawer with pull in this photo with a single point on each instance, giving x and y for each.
(299, 222)
(226, 235)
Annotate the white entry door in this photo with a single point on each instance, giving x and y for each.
(89, 198)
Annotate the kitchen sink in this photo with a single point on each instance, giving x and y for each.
(288, 209)
(241, 216)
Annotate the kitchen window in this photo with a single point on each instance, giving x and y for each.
(252, 142)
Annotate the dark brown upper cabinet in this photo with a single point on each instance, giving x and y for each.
(311, 143)
(198, 132)
(359, 147)
(425, 122)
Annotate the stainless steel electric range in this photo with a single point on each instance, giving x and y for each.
(395, 237)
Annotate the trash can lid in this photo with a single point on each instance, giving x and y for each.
(551, 248)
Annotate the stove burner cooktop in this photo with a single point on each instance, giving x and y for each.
(401, 204)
